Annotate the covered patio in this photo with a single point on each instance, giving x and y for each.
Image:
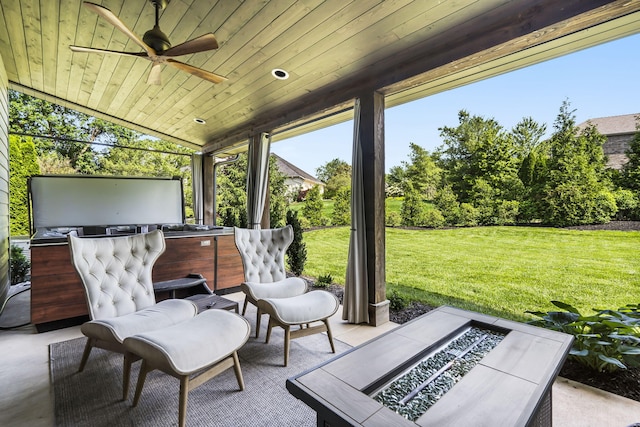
(28, 401)
(290, 67)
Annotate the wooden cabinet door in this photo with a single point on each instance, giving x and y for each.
(229, 271)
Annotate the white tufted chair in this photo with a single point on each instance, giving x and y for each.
(116, 275)
(263, 253)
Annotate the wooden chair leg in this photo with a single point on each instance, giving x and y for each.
(269, 329)
(184, 395)
(259, 316)
(326, 324)
(287, 342)
(144, 369)
(237, 370)
(244, 306)
(85, 355)
(126, 375)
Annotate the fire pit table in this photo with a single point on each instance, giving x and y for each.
(449, 367)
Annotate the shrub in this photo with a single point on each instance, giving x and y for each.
(507, 212)
(605, 342)
(413, 208)
(433, 218)
(20, 265)
(313, 205)
(342, 207)
(447, 202)
(324, 280)
(392, 219)
(468, 215)
(396, 301)
(627, 203)
(297, 251)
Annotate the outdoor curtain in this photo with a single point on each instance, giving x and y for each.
(356, 300)
(257, 178)
(196, 185)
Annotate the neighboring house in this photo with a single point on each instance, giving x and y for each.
(296, 180)
(619, 131)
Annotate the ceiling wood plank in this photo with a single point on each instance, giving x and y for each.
(5, 44)
(13, 20)
(32, 33)
(49, 22)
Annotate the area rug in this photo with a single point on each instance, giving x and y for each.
(93, 397)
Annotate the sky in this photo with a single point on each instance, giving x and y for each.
(600, 81)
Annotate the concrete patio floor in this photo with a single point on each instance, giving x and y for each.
(26, 395)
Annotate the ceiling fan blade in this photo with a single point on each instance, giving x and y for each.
(116, 22)
(154, 75)
(203, 74)
(114, 52)
(199, 44)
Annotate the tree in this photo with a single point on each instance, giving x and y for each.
(342, 207)
(421, 171)
(232, 193)
(482, 161)
(23, 164)
(577, 188)
(394, 182)
(527, 135)
(55, 127)
(297, 251)
(413, 207)
(331, 168)
(336, 174)
(312, 209)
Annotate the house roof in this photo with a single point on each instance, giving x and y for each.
(334, 51)
(614, 125)
(292, 171)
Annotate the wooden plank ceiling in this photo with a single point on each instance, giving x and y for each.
(333, 50)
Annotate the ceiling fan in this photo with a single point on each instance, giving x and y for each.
(156, 45)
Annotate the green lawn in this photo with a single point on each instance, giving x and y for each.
(497, 270)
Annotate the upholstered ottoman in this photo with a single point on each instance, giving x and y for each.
(193, 351)
(302, 310)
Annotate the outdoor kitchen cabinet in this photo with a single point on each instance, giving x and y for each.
(57, 293)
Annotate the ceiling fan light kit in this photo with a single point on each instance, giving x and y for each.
(156, 45)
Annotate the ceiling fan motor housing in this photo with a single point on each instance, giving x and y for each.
(156, 39)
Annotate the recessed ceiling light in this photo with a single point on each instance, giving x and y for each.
(200, 121)
(279, 74)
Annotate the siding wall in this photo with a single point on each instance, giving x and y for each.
(4, 185)
(615, 149)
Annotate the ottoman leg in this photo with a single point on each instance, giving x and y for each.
(287, 342)
(237, 370)
(184, 395)
(258, 322)
(326, 324)
(144, 369)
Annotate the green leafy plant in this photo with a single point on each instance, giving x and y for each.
(396, 301)
(20, 265)
(606, 341)
(324, 280)
(297, 252)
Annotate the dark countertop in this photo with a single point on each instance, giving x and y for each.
(46, 237)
